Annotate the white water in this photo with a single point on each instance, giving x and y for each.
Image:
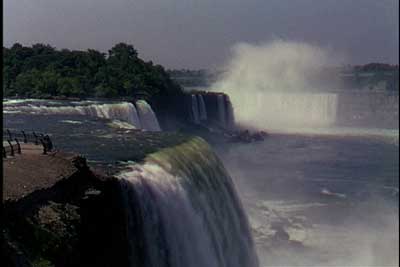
(195, 110)
(124, 115)
(190, 213)
(230, 114)
(278, 86)
(286, 110)
(148, 119)
(202, 108)
(123, 111)
(336, 198)
(269, 86)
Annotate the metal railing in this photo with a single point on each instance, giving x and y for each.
(12, 141)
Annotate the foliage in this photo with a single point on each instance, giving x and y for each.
(43, 71)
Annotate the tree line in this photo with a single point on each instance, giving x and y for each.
(43, 71)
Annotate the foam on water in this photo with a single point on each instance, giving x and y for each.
(72, 122)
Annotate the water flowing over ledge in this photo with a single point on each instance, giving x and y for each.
(139, 115)
(209, 109)
(183, 209)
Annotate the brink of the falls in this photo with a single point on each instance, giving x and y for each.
(183, 211)
(139, 115)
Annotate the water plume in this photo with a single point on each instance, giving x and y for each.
(277, 85)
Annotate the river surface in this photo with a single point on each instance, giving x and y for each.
(320, 200)
(312, 199)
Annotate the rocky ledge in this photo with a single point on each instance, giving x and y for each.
(59, 212)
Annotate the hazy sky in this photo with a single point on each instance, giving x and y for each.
(200, 33)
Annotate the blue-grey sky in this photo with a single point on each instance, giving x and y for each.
(200, 33)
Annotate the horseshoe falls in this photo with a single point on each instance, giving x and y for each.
(183, 208)
(279, 111)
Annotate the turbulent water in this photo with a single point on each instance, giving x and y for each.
(190, 211)
(302, 112)
(279, 86)
(320, 200)
(312, 200)
(140, 117)
(286, 110)
(185, 200)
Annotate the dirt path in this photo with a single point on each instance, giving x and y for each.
(31, 170)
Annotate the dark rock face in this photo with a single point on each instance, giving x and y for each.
(78, 221)
(103, 238)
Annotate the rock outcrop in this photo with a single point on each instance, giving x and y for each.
(72, 220)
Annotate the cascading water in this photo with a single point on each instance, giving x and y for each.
(273, 86)
(139, 117)
(202, 108)
(221, 110)
(125, 112)
(195, 110)
(287, 110)
(147, 116)
(230, 117)
(183, 209)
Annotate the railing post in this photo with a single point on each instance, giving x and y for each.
(12, 149)
(25, 140)
(36, 138)
(48, 142)
(18, 145)
(9, 134)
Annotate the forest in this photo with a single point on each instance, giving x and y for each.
(43, 71)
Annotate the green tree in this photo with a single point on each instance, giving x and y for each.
(41, 71)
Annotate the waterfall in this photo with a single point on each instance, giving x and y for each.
(147, 117)
(195, 110)
(125, 112)
(183, 211)
(303, 109)
(285, 111)
(230, 117)
(221, 110)
(141, 116)
(202, 108)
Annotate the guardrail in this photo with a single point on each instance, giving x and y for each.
(12, 144)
